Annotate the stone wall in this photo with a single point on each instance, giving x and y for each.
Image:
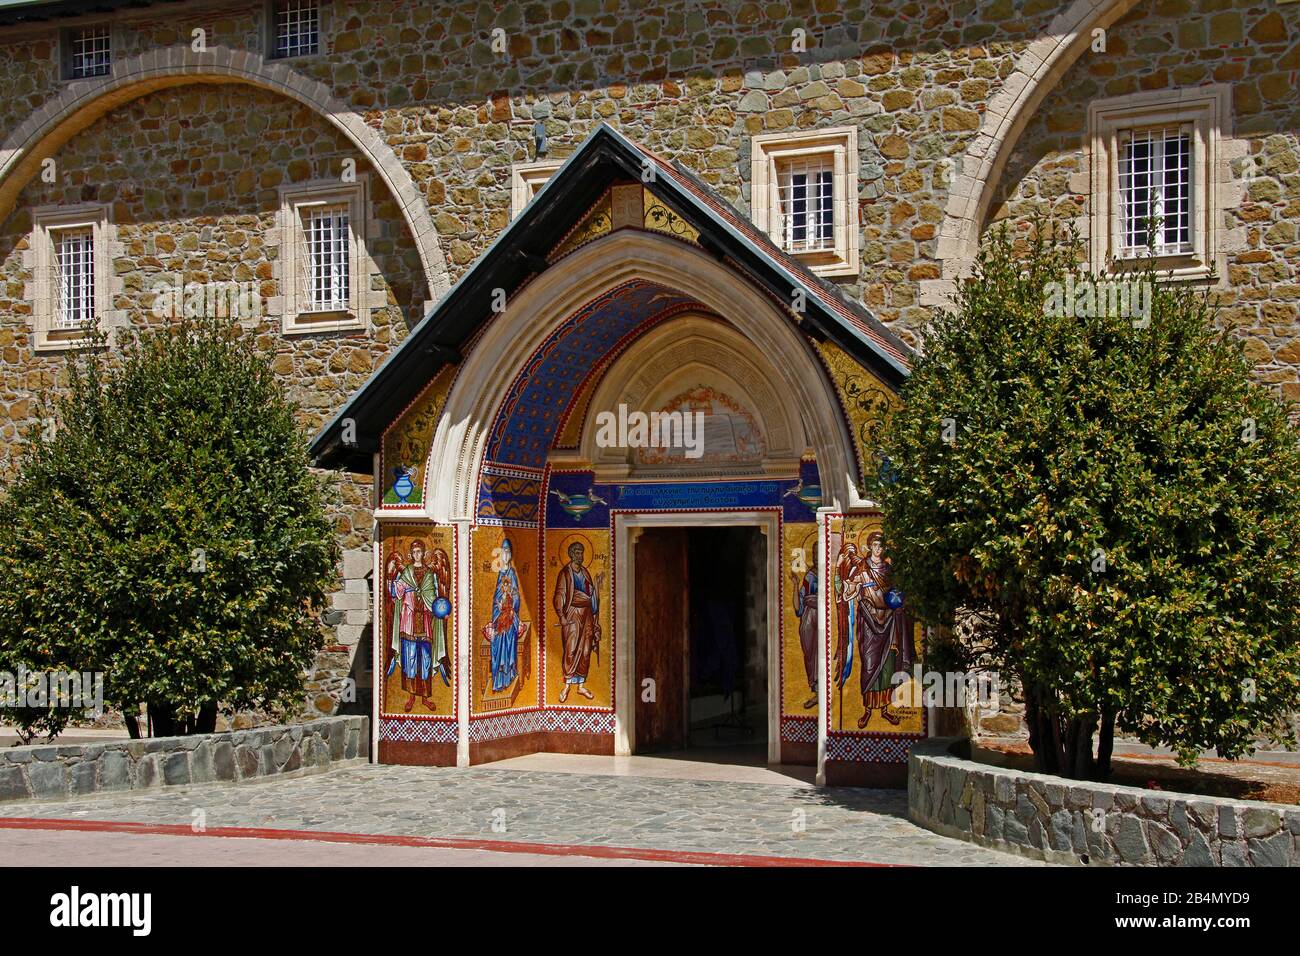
(1080, 822)
(1253, 47)
(192, 175)
(191, 171)
(692, 81)
(47, 772)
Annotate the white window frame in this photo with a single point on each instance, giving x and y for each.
(527, 179)
(838, 147)
(47, 223)
(273, 26)
(1203, 112)
(297, 315)
(67, 45)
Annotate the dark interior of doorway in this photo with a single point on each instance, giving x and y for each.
(727, 644)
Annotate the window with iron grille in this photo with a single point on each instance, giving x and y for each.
(74, 277)
(803, 191)
(69, 249)
(1159, 181)
(1155, 191)
(807, 203)
(296, 27)
(88, 51)
(326, 268)
(323, 268)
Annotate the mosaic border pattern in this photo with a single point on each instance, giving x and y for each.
(799, 730)
(423, 731)
(550, 720)
(863, 749)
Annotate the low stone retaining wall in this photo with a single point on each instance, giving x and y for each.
(1085, 823)
(50, 771)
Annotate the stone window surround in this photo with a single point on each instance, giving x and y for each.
(1207, 110)
(38, 260)
(768, 149)
(526, 179)
(288, 236)
(324, 25)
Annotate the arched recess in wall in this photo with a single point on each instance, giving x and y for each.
(82, 102)
(1038, 69)
(688, 351)
(483, 383)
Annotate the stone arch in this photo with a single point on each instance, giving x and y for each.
(1038, 69)
(82, 102)
(686, 350)
(461, 439)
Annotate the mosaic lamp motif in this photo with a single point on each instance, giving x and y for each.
(810, 495)
(577, 505)
(403, 486)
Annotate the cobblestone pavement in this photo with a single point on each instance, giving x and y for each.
(843, 824)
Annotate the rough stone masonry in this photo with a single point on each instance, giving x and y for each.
(191, 157)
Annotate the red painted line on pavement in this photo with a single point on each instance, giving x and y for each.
(696, 857)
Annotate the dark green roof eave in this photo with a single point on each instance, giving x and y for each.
(13, 12)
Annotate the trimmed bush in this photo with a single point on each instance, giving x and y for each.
(168, 533)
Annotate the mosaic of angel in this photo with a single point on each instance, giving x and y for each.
(871, 619)
(420, 593)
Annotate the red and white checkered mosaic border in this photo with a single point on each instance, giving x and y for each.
(552, 719)
(796, 731)
(891, 749)
(417, 731)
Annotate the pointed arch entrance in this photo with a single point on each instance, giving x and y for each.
(631, 323)
(639, 278)
(503, 442)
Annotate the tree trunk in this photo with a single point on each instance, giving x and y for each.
(206, 720)
(132, 725)
(162, 720)
(1043, 731)
(1081, 730)
(1105, 745)
(1061, 746)
(166, 722)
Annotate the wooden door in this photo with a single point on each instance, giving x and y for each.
(662, 607)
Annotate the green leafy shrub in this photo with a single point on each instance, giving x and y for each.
(168, 534)
(1112, 500)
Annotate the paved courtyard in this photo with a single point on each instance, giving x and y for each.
(484, 809)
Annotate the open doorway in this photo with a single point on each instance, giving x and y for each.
(702, 643)
(727, 642)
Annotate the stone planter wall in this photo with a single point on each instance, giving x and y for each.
(1080, 822)
(52, 771)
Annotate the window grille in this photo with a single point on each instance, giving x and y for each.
(806, 200)
(74, 275)
(297, 27)
(327, 261)
(90, 53)
(1155, 184)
